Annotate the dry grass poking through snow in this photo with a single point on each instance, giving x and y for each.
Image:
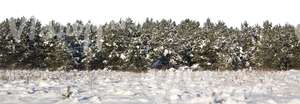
(152, 87)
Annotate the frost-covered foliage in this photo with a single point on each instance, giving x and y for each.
(122, 45)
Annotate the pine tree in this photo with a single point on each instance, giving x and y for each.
(148, 32)
(16, 46)
(4, 44)
(115, 43)
(56, 57)
(125, 45)
(187, 39)
(75, 44)
(136, 57)
(247, 43)
(207, 54)
(288, 46)
(95, 53)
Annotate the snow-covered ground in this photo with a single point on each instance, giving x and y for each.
(153, 87)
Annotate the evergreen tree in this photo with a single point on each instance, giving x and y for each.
(15, 37)
(265, 49)
(5, 44)
(207, 55)
(57, 57)
(116, 42)
(35, 44)
(187, 39)
(125, 45)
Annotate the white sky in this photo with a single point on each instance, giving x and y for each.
(233, 12)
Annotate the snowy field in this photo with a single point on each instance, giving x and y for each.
(153, 87)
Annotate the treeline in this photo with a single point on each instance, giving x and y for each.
(125, 45)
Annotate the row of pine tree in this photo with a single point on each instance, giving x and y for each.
(126, 45)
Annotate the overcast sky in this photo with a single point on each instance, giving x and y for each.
(233, 12)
